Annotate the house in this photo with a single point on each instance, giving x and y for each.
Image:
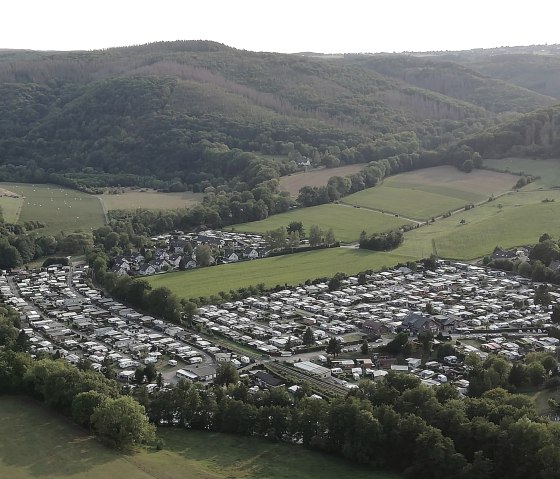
(499, 253)
(202, 373)
(178, 246)
(266, 380)
(189, 261)
(174, 260)
(120, 270)
(231, 256)
(250, 253)
(416, 323)
(146, 269)
(374, 328)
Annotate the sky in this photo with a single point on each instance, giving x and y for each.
(288, 26)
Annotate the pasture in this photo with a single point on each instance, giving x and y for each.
(11, 204)
(289, 269)
(347, 222)
(150, 200)
(320, 177)
(548, 170)
(516, 219)
(39, 443)
(61, 209)
(430, 192)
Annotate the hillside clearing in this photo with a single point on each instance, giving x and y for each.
(347, 222)
(320, 177)
(61, 209)
(43, 444)
(150, 199)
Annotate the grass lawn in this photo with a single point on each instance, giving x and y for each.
(38, 443)
(290, 269)
(548, 170)
(347, 222)
(429, 192)
(150, 199)
(61, 209)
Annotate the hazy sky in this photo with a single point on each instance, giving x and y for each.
(281, 26)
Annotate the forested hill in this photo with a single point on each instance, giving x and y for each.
(457, 81)
(536, 134)
(191, 114)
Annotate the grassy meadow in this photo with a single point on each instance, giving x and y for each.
(320, 177)
(11, 208)
(430, 192)
(548, 170)
(291, 269)
(512, 220)
(149, 199)
(38, 443)
(61, 209)
(347, 222)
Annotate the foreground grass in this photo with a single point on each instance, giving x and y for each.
(290, 269)
(347, 222)
(61, 209)
(38, 443)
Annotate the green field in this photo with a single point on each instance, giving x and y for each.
(346, 222)
(61, 209)
(11, 208)
(548, 170)
(150, 199)
(290, 269)
(430, 192)
(38, 443)
(512, 220)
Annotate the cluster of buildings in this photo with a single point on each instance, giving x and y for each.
(496, 312)
(179, 251)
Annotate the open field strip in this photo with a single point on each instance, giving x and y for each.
(430, 192)
(11, 208)
(61, 209)
(347, 222)
(150, 199)
(295, 182)
(290, 269)
(42, 444)
(548, 170)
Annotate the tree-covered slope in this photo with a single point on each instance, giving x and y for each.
(198, 113)
(456, 81)
(536, 134)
